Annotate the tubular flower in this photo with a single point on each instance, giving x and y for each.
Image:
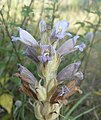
(53, 89)
(25, 37)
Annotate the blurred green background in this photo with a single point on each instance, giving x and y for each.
(85, 20)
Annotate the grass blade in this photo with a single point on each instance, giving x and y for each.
(76, 105)
(87, 111)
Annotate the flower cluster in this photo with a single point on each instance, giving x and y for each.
(53, 89)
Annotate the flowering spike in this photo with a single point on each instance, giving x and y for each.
(52, 90)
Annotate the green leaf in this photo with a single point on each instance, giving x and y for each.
(6, 101)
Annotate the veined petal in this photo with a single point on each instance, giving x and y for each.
(80, 47)
(67, 47)
(68, 72)
(27, 38)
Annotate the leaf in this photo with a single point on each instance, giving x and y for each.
(3, 80)
(6, 101)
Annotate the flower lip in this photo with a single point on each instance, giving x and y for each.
(80, 47)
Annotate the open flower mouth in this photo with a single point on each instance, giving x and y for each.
(46, 54)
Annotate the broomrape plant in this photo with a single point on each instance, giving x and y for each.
(50, 96)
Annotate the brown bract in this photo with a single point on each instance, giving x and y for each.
(25, 86)
(62, 92)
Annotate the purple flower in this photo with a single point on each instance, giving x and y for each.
(68, 46)
(46, 53)
(68, 72)
(42, 53)
(59, 31)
